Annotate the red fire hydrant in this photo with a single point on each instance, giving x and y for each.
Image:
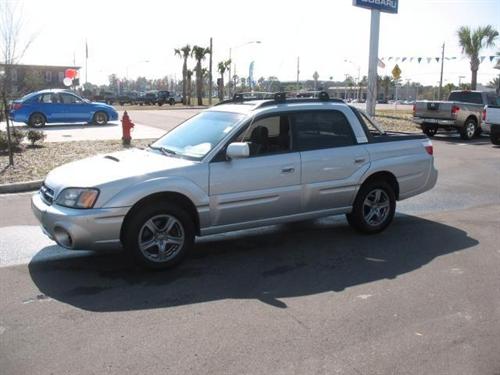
(127, 126)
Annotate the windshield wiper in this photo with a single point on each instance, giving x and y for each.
(165, 151)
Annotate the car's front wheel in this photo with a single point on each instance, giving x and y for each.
(159, 235)
(37, 120)
(100, 118)
(373, 208)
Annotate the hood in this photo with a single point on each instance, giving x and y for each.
(118, 167)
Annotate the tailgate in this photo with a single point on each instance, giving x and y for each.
(433, 109)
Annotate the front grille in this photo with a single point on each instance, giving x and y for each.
(47, 194)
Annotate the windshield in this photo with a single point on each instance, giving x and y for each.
(195, 138)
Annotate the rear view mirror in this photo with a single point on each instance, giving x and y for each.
(238, 150)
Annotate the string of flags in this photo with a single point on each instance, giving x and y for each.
(432, 59)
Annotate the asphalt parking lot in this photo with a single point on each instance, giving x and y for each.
(304, 298)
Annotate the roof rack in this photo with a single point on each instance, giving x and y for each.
(279, 97)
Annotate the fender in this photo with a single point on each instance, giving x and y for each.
(172, 184)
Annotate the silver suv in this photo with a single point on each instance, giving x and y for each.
(237, 165)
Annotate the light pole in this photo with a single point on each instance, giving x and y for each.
(358, 80)
(230, 54)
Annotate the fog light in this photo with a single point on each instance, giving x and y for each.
(63, 238)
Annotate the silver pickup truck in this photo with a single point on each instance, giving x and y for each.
(237, 165)
(461, 112)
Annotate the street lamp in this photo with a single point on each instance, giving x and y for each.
(230, 53)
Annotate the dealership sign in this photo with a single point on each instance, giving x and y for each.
(388, 6)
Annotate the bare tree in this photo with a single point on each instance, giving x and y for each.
(12, 49)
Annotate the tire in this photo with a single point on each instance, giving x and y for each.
(100, 118)
(171, 101)
(495, 139)
(37, 120)
(469, 130)
(429, 130)
(370, 219)
(147, 236)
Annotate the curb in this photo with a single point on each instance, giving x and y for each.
(20, 187)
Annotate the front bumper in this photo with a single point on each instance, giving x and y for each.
(421, 121)
(92, 229)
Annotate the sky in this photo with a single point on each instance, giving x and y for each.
(132, 38)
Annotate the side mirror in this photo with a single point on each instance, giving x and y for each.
(238, 150)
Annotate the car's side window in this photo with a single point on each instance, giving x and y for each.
(46, 98)
(269, 135)
(321, 129)
(69, 99)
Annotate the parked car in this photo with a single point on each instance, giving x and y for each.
(128, 98)
(169, 97)
(232, 167)
(462, 112)
(59, 106)
(107, 97)
(150, 97)
(491, 122)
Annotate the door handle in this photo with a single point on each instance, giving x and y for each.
(288, 170)
(359, 160)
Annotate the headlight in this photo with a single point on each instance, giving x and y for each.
(77, 197)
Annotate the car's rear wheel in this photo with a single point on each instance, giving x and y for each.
(100, 118)
(373, 208)
(159, 235)
(469, 130)
(37, 120)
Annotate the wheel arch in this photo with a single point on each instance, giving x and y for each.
(385, 176)
(179, 199)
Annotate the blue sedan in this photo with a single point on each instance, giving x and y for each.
(59, 106)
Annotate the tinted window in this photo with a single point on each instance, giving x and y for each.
(466, 97)
(269, 135)
(493, 99)
(322, 129)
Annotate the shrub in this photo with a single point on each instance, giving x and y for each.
(35, 136)
(16, 137)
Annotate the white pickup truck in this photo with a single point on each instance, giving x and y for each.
(491, 123)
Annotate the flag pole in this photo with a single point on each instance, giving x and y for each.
(86, 59)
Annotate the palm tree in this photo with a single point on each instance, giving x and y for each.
(199, 54)
(189, 86)
(472, 42)
(222, 67)
(184, 53)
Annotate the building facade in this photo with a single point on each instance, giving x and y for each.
(23, 79)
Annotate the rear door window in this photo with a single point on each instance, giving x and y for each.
(321, 129)
(466, 97)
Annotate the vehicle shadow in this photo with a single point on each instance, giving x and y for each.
(453, 138)
(265, 264)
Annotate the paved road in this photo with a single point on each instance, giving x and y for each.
(304, 298)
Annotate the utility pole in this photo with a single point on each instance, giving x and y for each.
(441, 78)
(210, 88)
(298, 73)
